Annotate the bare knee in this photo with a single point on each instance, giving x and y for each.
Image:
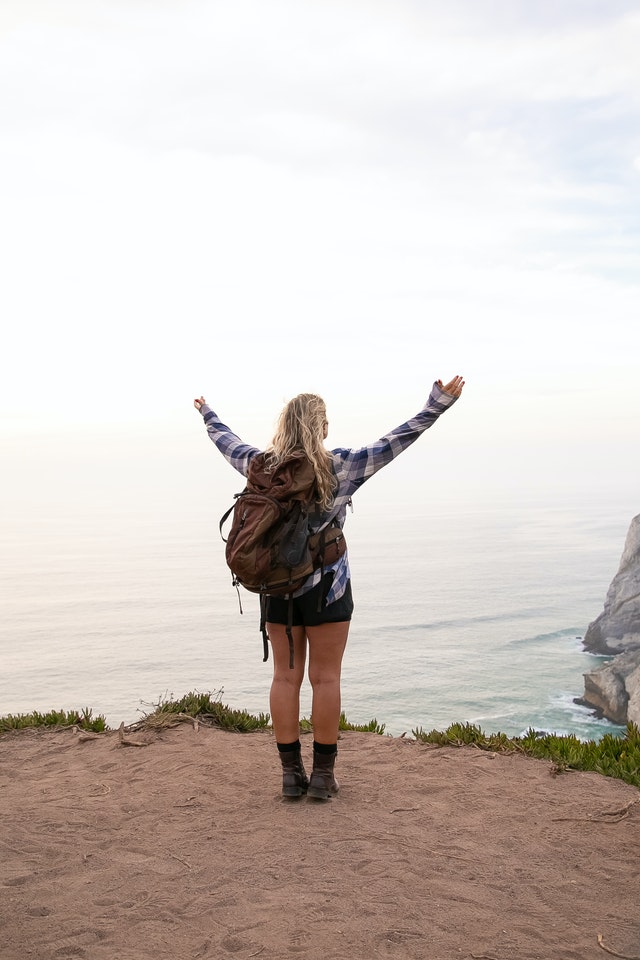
(290, 678)
(323, 677)
(326, 648)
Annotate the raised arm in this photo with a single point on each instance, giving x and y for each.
(356, 466)
(231, 447)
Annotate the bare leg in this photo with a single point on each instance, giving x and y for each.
(284, 700)
(326, 648)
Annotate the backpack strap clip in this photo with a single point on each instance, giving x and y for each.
(263, 628)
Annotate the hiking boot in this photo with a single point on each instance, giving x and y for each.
(323, 785)
(294, 778)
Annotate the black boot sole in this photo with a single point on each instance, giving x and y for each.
(316, 793)
(293, 793)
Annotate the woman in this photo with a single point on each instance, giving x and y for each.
(323, 605)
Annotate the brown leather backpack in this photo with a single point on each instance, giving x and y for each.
(269, 548)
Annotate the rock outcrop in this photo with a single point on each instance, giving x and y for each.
(614, 688)
(618, 627)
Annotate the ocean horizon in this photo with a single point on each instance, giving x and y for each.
(464, 611)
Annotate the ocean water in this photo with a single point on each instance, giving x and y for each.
(465, 611)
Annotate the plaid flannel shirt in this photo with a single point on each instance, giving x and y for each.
(352, 468)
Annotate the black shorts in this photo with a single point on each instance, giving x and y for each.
(305, 608)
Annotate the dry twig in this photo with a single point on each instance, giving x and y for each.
(84, 737)
(614, 953)
(125, 742)
(605, 816)
(180, 859)
(394, 838)
(167, 718)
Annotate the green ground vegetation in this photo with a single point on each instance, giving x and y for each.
(206, 708)
(83, 719)
(612, 756)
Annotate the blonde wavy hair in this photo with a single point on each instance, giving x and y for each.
(301, 426)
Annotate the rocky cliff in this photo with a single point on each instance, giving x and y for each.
(614, 688)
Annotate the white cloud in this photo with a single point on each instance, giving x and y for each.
(199, 196)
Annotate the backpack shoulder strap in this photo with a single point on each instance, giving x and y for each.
(226, 516)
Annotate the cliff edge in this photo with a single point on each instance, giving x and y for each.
(614, 688)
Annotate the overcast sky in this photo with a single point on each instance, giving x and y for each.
(248, 198)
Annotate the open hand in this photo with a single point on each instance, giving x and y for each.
(453, 388)
(198, 402)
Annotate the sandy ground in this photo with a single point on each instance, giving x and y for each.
(183, 848)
